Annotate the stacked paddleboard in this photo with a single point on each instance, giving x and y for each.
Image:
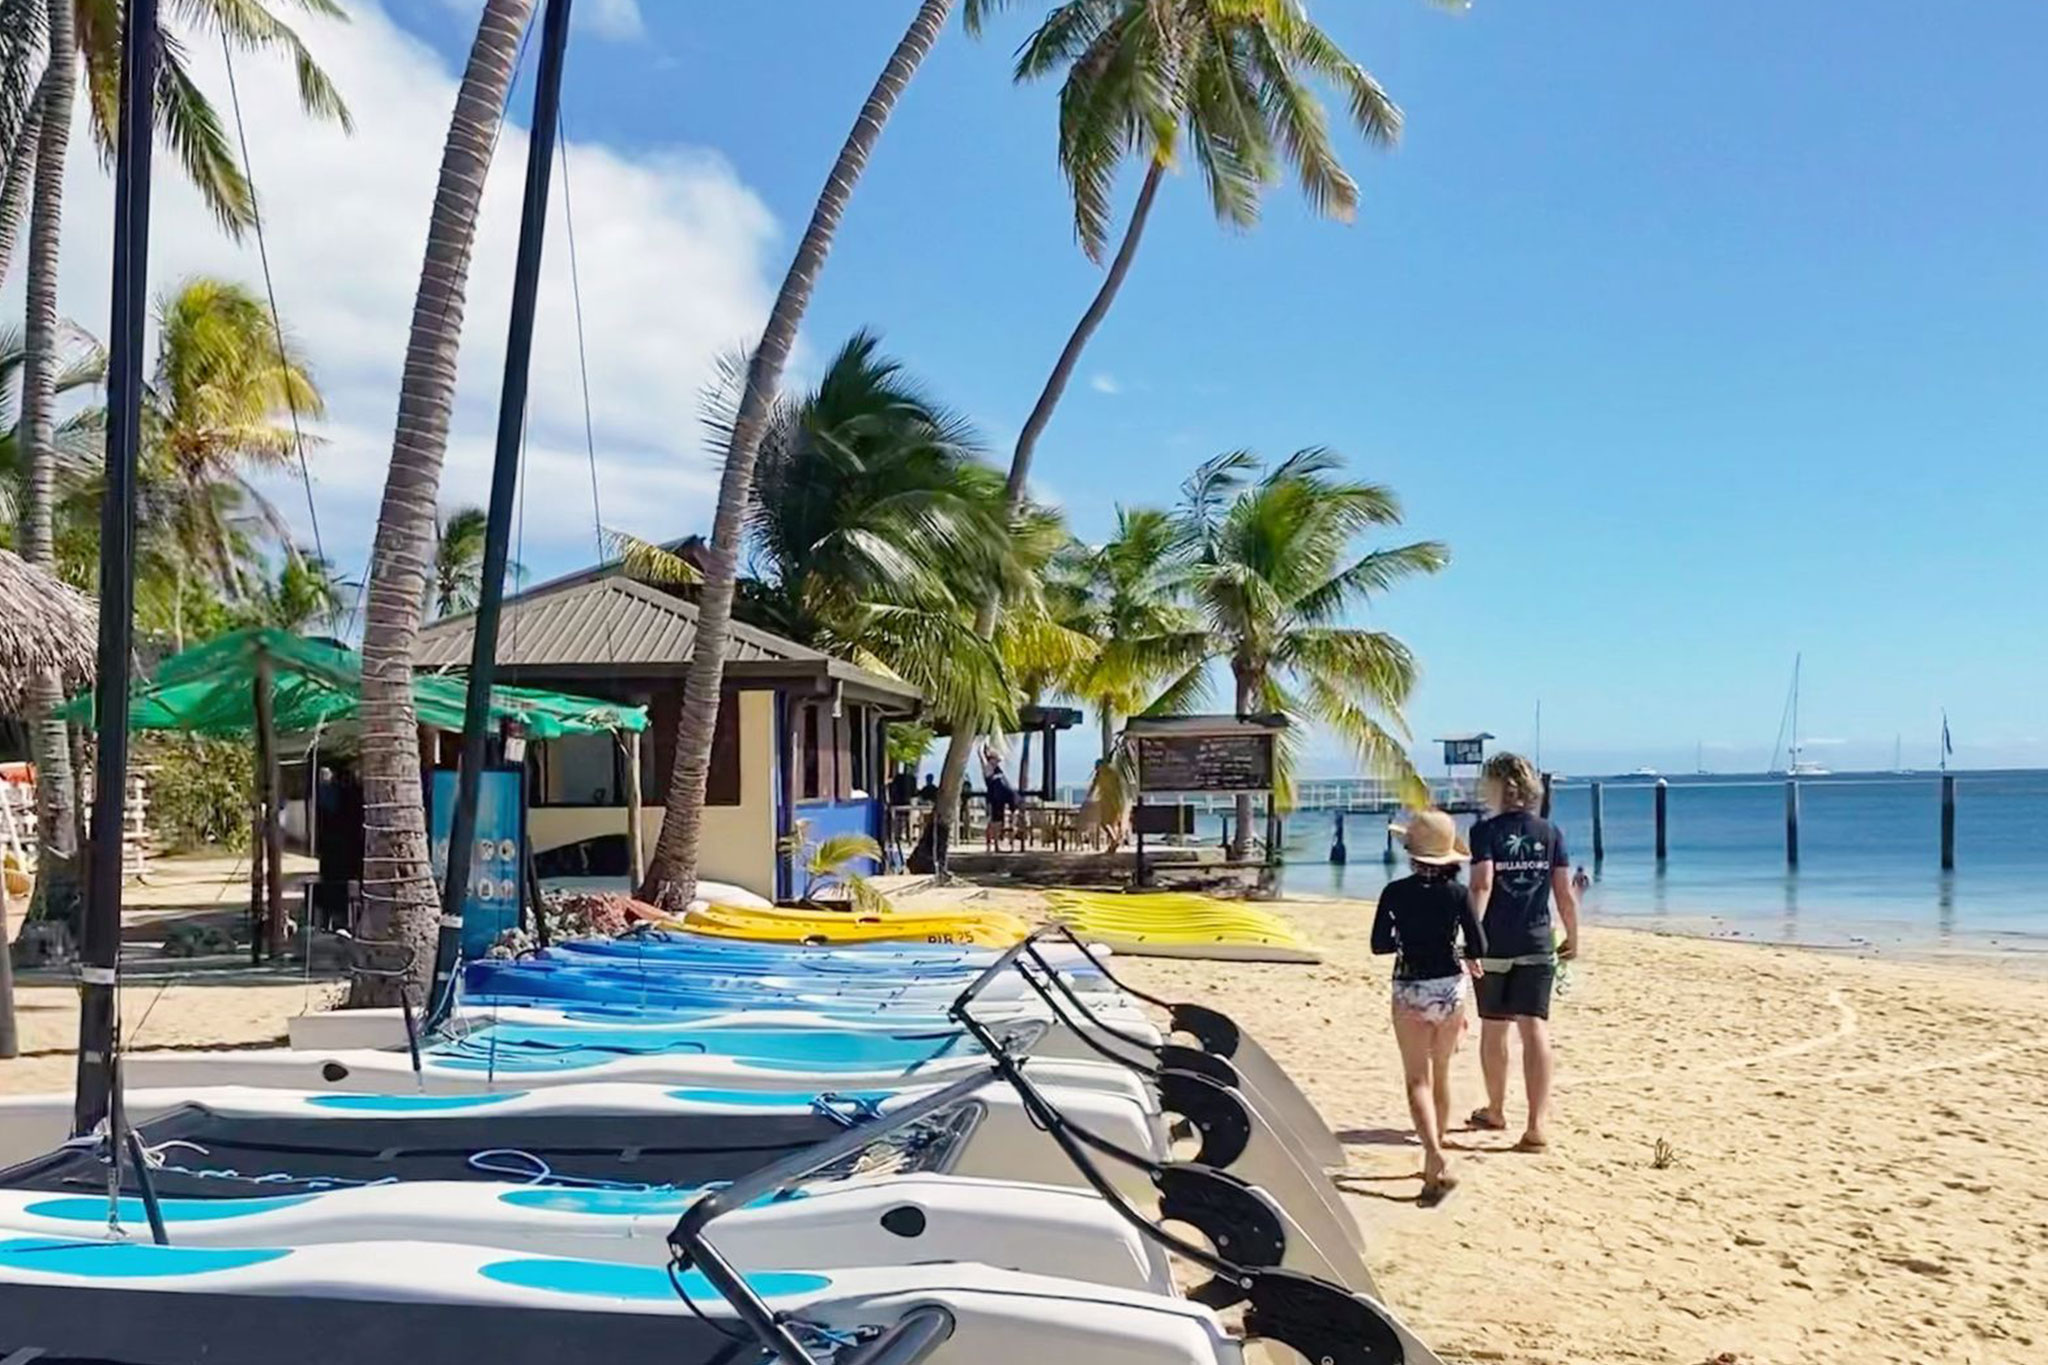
(1180, 924)
(951, 927)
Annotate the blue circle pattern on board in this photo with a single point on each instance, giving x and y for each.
(613, 1280)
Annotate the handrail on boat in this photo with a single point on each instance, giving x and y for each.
(691, 1246)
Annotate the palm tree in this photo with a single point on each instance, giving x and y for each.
(23, 31)
(78, 439)
(1228, 76)
(673, 868)
(307, 591)
(458, 561)
(88, 32)
(223, 380)
(1271, 574)
(398, 882)
(1129, 589)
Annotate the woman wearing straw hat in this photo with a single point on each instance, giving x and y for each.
(1421, 919)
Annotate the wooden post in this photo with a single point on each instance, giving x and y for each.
(1388, 856)
(634, 837)
(1948, 822)
(270, 787)
(1791, 823)
(1599, 824)
(1663, 817)
(1049, 757)
(1545, 812)
(256, 847)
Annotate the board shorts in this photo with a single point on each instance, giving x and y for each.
(1435, 999)
(1516, 990)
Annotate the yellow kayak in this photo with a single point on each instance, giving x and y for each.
(983, 929)
(1179, 924)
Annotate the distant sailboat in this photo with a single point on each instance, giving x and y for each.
(1797, 766)
(1898, 754)
(1699, 759)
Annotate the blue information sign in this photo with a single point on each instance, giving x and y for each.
(496, 863)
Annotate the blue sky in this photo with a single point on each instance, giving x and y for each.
(1705, 333)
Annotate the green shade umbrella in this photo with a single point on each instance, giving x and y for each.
(209, 689)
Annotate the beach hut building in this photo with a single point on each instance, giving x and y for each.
(799, 734)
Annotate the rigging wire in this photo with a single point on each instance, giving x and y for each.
(582, 349)
(227, 51)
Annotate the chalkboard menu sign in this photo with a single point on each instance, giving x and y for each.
(1205, 763)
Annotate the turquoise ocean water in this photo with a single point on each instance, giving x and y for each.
(1869, 872)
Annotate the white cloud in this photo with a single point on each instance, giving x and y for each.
(618, 20)
(1104, 382)
(670, 245)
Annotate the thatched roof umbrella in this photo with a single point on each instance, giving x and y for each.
(44, 623)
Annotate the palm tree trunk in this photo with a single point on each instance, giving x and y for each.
(14, 189)
(1106, 716)
(57, 880)
(398, 882)
(1240, 839)
(10, 1041)
(672, 872)
(955, 770)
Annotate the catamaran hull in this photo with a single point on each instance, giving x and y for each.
(385, 1029)
(1002, 1144)
(341, 1305)
(889, 1221)
(391, 1073)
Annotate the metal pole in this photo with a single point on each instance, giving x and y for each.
(269, 787)
(98, 1015)
(1547, 782)
(634, 852)
(1948, 822)
(1663, 817)
(483, 659)
(1599, 823)
(1791, 823)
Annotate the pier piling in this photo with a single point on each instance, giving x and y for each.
(1545, 812)
(1599, 824)
(1663, 817)
(1948, 822)
(1791, 823)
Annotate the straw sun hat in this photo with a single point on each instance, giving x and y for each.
(1432, 838)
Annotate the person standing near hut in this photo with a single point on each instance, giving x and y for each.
(1519, 867)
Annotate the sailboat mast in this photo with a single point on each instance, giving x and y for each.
(483, 658)
(1794, 766)
(98, 1015)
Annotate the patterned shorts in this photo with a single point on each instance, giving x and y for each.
(1435, 999)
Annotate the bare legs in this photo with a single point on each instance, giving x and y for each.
(1426, 1050)
(1536, 1079)
(1493, 1063)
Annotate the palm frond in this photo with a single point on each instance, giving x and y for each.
(647, 562)
(1369, 576)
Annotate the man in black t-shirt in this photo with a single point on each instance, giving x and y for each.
(1519, 867)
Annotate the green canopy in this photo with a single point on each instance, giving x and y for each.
(210, 689)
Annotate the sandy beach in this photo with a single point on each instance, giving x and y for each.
(1851, 1166)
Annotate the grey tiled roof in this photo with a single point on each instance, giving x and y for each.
(585, 621)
